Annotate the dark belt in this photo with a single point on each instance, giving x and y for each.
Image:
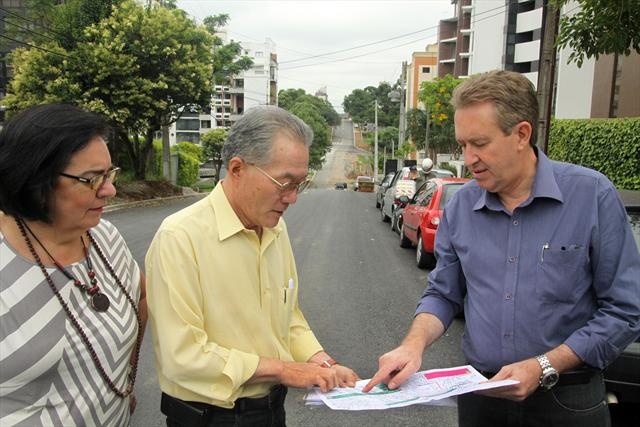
(576, 377)
(199, 413)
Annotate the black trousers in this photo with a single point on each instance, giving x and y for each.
(569, 404)
(267, 411)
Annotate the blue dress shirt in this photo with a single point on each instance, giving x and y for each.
(562, 268)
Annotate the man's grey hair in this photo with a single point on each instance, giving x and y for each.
(251, 137)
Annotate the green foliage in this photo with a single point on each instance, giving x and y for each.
(212, 143)
(359, 104)
(226, 57)
(290, 97)
(600, 27)
(436, 96)
(140, 67)
(189, 148)
(387, 137)
(610, 146)
(316, 113)
(416, 126)
(188, 166)
(321, 132)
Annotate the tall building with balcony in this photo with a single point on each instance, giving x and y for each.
(506, 34)
(454, 43)
(256, 86)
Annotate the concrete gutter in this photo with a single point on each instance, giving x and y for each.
(149, 202)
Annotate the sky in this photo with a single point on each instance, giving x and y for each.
(301, 29)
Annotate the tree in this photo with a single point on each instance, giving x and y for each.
(212, 143)
(359, 105)
(139, 67)
(321, 132)
(600, 27)
(416, 126)
(316, 113)
(289, 97)
(436, 96)
(227, 60)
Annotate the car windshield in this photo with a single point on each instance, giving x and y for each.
(449, 191)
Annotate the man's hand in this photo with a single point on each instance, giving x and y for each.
(346, 376)
(395, 367)
(304, 375)
(527, 372)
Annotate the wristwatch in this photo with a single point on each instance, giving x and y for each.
(549, 376)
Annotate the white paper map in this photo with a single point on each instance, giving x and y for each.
(432, 387)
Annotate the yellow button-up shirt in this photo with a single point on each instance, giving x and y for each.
(220, 298)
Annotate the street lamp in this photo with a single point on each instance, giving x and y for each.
(375, 139)
(398, 96)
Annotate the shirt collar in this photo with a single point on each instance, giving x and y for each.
(544, 186)
(227, 220)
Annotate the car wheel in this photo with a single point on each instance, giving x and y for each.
(393, 222)
(383, 216)
(423, 258)
(404, 241)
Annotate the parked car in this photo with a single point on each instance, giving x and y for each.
(622, 377)
(421, 216)
(382, 187)
(341, 185)
(400, 185)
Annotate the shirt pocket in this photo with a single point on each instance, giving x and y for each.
(562, 273)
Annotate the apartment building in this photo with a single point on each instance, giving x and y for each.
(255, 86)
(486, 35)
(423, 67)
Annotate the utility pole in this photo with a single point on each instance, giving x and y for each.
(375, 141)
(426, 133)
(546, 73)
(402, 102)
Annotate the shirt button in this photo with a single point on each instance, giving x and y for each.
(513, 258)
(507, 334)
(515, 222)
(507, 297)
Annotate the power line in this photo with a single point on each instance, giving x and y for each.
(31, 21)
(27, 29)
(35, 47)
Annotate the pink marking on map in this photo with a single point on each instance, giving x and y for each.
(449, 373)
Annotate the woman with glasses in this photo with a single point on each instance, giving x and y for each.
(72, 306)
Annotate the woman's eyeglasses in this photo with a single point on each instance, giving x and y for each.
(96, 182)
(287, 187)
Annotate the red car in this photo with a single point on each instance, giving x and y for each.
(421, 217)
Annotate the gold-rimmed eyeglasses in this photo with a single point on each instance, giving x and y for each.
(96, 182)
(287, 187)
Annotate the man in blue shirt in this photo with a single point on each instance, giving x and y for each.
(541, 256)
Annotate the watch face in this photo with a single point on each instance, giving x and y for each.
(550, 379)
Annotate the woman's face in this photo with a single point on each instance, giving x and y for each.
(75, 206)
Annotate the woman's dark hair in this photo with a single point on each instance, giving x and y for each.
(35, 146)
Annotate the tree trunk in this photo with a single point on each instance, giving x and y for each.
(166, 153)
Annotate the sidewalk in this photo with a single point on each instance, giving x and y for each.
(630, 197)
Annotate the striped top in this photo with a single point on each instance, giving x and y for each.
(47, 376)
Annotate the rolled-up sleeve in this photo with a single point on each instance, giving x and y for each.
(616, 283)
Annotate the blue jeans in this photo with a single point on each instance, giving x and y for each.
(579, 405)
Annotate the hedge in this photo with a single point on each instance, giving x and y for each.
(188, 161)
(610, 146)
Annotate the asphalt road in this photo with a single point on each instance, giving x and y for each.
(358, 292)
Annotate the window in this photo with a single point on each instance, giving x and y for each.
(194, 138)
(188, 124)
(426, 69)
(259, 54)
(205, 124)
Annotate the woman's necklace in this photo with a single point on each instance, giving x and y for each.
(94, 356)
(99, 301)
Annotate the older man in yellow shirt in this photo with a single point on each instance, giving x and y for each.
(228, 334)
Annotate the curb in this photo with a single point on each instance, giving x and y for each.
(149, 202)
